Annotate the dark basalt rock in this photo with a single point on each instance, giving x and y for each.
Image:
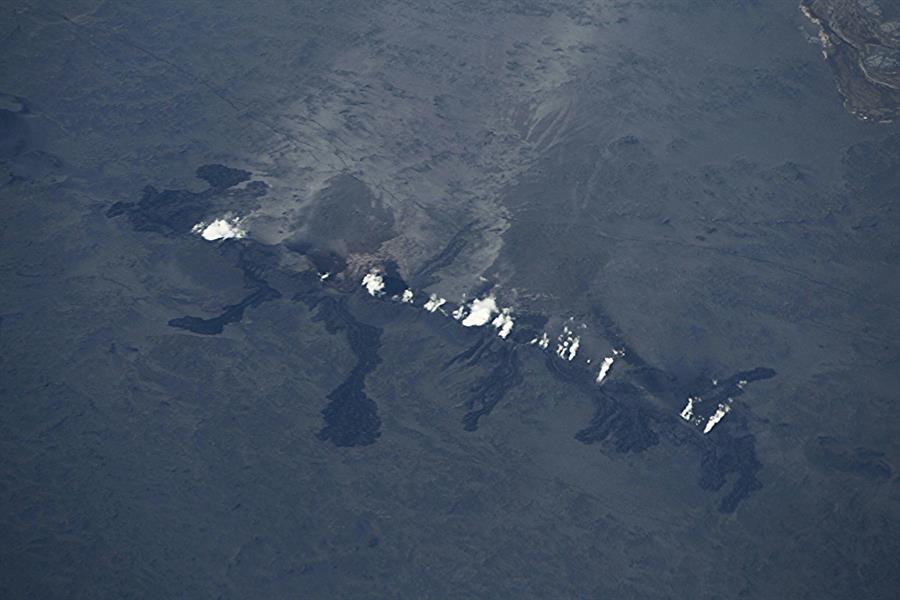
(394, 285)
(528, 327)
(725, 453)
(491, 389)
(713, 394)
(633, 413)
(622, 414)
(222, 177)
(255, 260)
(627, 425)
(730, 448)
(861, 40)
(167, 212)
(257, 189)
(232, 313)
(351, 417)
(176, 212)
(471, 355)
(627, 417)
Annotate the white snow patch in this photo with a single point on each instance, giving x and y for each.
(503, 322)
(717, 416)
(220, 229)
(433, 303)
(407, 296)
(374, 283)
(480, 312)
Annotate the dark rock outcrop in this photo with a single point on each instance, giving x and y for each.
(489, 390)
(351, 417)
(176, 212)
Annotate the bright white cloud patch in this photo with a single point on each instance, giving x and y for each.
(568, 343)
(374, 283)
(503, 322)
(605, 366)
(459, 313)
(407, 296)
(433, 303)
(220, 229)
(542, 341)
(687, 413)
(717, 416)
(480, 312)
